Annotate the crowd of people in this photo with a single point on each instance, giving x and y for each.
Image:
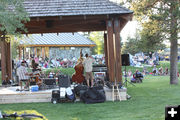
(35, 65)
(38, 63)
(150, 59)
(55, 62)
(138, 76)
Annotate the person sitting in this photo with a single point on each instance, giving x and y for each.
(154, 71)
(145, 71)
(23, 76)
(160, 72)
(166, 71)
(35, 68)
(129, 73)
(137, 77)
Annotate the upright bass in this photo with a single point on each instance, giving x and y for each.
(78, 76)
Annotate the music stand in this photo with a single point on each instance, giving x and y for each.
(126, 81)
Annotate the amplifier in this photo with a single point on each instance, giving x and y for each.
(49, 81)
(64, 81)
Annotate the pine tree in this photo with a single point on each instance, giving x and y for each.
(167, 14)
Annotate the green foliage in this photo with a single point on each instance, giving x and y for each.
(98, 38)
(157, 15)
(15, 41)
(151, 37)
(161, 21)
(12, 16)
(65, 71)
(147, 103)
(130, 46)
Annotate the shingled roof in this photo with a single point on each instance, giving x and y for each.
(39, 8)
(53, 39)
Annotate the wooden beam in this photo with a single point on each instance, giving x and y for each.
(35, 51)
(105, 49)
(77, 17)
(123, 23)
(110, 47)
(3, 58)
(9, 61)
(23, 52)
(20, 54)
(117, 52)
(127, 17)
(43, 52)
(67, 28)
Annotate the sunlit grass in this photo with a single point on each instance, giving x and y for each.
(147, 103)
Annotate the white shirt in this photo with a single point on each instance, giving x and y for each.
(88, 64)
(21, 71)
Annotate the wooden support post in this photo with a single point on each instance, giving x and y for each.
(23, 52)
(111, 60)
(20, 54)
(105, 49)
(117, 52)
(3, 58)
(35, 51)
(9, 61)
(43, 53)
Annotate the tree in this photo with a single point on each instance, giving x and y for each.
(12, 17)
(98, 38)
(130, 46)
(167, 14)
(151, 39)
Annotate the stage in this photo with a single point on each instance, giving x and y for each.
(10, 95)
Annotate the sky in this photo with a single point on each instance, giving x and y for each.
(129, 30)
(130, 27)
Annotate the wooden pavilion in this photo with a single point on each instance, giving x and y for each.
(52, 45)
(55, 16)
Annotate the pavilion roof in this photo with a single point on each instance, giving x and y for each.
(42, 8)
(54, 39)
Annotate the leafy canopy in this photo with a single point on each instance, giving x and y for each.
(12, 16)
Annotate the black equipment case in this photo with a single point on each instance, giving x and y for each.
(61, 95)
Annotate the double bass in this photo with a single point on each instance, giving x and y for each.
(78, 76)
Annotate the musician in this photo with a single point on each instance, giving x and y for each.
(88, 68)
(35, 67)
(23, 75)
(36, 74)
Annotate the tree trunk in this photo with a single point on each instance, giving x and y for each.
(174, 45)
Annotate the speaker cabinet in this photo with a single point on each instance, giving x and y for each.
(125, 60)
(64, 81)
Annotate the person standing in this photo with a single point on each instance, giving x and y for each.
(88, 68)
(23, 75)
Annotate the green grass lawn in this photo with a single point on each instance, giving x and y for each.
(147, 103)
